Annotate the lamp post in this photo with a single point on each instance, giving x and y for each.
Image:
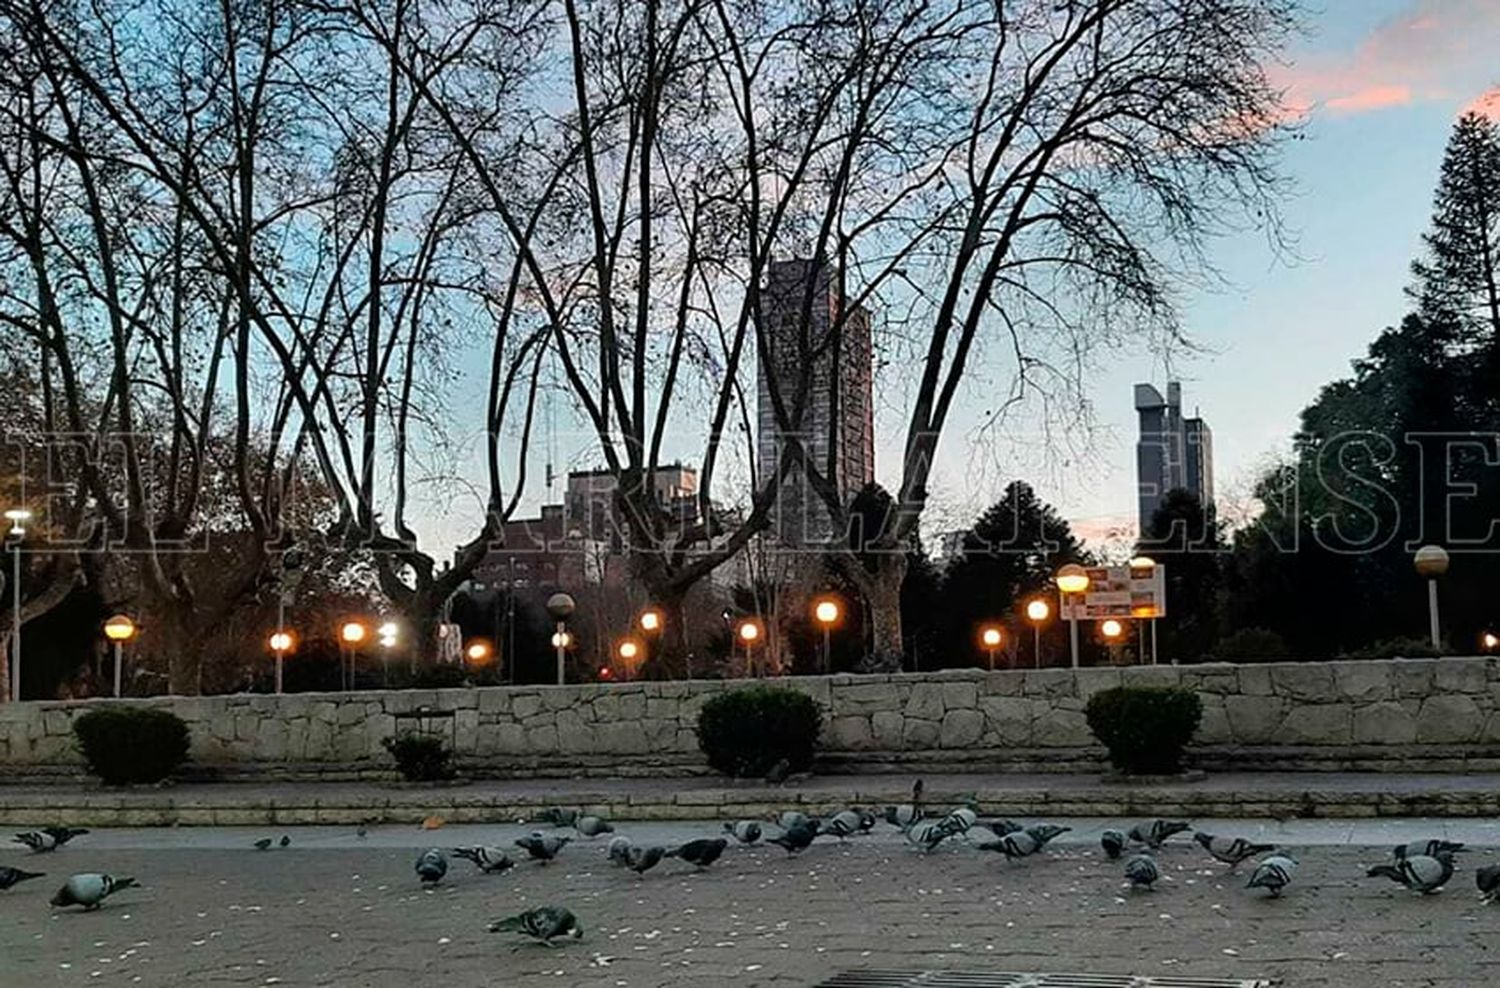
(18, 518)
(119, 630)
(1489, 641)
(281, 642)
(478, 652)
(748, 633)
(990, 637)
(628, 650)
(1072, 579)
(651, 623)
(351, 634)
(388, 634)
(561, 607)
(1431, 561)
(1111, 631)
(827, 612)
(1037, 613)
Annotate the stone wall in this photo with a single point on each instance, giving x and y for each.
(1413, 715)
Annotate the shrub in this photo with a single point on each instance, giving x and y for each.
(1145, 728)
(747, 732)
(125, 745)
(1396, 648)
(420, 757)
(1252, 645)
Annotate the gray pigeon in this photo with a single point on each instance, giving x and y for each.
(642, 859)
(788, 819)
(543, 924)
(1488, 880)
(928, 834)
(961, 819)
(264, 844)
(1273, 873)
(908, 813)
(491, 860)
(845, 824)
(431, 866)
(285, 841)
(1428, 848)
(1231, 850)
(1021, 844)
(797, 839)
(1045, 833)
(14, 876)
(558, 817)
(1142, 871)
(593, 826)
(48, 838)
(89, 890)
(1001, 827)
(744, 831)
(1154, 833)
(541, 847)
(1113, 842)
(618, 851)
(1418, 872)
(700, 853)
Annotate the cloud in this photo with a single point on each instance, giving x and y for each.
(1433, 51)
(1487, 103)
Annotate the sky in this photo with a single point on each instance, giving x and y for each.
(1377, 85)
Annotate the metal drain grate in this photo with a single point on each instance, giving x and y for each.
(995, 979)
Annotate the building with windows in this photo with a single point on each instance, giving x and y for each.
(1172, 451)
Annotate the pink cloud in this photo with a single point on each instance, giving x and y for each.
(1487, 104)
(1433, 51)
(1374, 98)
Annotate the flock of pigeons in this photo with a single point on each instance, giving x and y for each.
(1423, 866)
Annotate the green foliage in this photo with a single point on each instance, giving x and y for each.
(1459, 271)
(1145, 728)
(420, 757)
(745, 732)
(124, 745)
(1187, 538)
(1396, 648)
(1252, 645)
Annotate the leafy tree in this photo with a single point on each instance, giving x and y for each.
(1187, 538)
(1460, 270)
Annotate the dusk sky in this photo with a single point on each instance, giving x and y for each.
(1378, 85)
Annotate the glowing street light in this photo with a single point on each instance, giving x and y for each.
(1489, 641)
(1072, 579)
(562, 640)
(351, 633)
(478, 653)
(119, 630)
(281, 642)
(748, 632)
(1431, 561)
(651, 620)
(1037, 612)
(628, 649)
(990, 637)
(388, 633)
(560, 607)
(827, 612)
(18, 518)
(1111, 629)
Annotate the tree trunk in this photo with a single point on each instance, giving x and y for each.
(881, 590)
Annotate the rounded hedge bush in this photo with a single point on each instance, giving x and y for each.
(1145, 728)
(420, 757)
(747, 732)
(125, 745)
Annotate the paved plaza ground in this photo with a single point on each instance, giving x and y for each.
(335, 909)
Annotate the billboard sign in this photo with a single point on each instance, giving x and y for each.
(1121, 592)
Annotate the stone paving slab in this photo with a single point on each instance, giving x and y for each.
(1276, 796)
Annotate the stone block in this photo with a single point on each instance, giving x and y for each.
(1460, 676)
(918, 734)
(850, 733)
(1050, 683)
(1254, 680)
(1362, 681)
(524, 705)
(1304, 681)
(887, 728)
(1254, 719)
(542, 739)
(925, 702)
(1214, 728)
(1449, 720)
(1412, 677)
(574, 735)
(961, 728)
(1061, 728)
(270, 740)
(623, 738)
(1320, 723)
(1384, 723)
(1159, 676)
(1091, 681)
(1009, 718)
(960, 696)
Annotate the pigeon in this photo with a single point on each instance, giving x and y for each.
(961, 819)
(1272, 874)
(15, 876)
(1428, 848)
(907, 814)
(797, 839)
(642, 859)
(89, 890)
(558, 817)
(788, 819)
(543, 924)
(491, 860)
(264, 844)
(1113, 843)
(1017, 845)
(1231, 850)
(361, 831)
(928, 834)
(432, 866)
(619, 851)
(1155, 833)
(1000, 827)
(779, 772)
(744, 831)
(1142, 872)
(593, 826)
(1487, 878)
(48, 838)
(700, 853)
(1045, 833)
(541, 847)
(1418, 872)
(285, 841)
(846, 824)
